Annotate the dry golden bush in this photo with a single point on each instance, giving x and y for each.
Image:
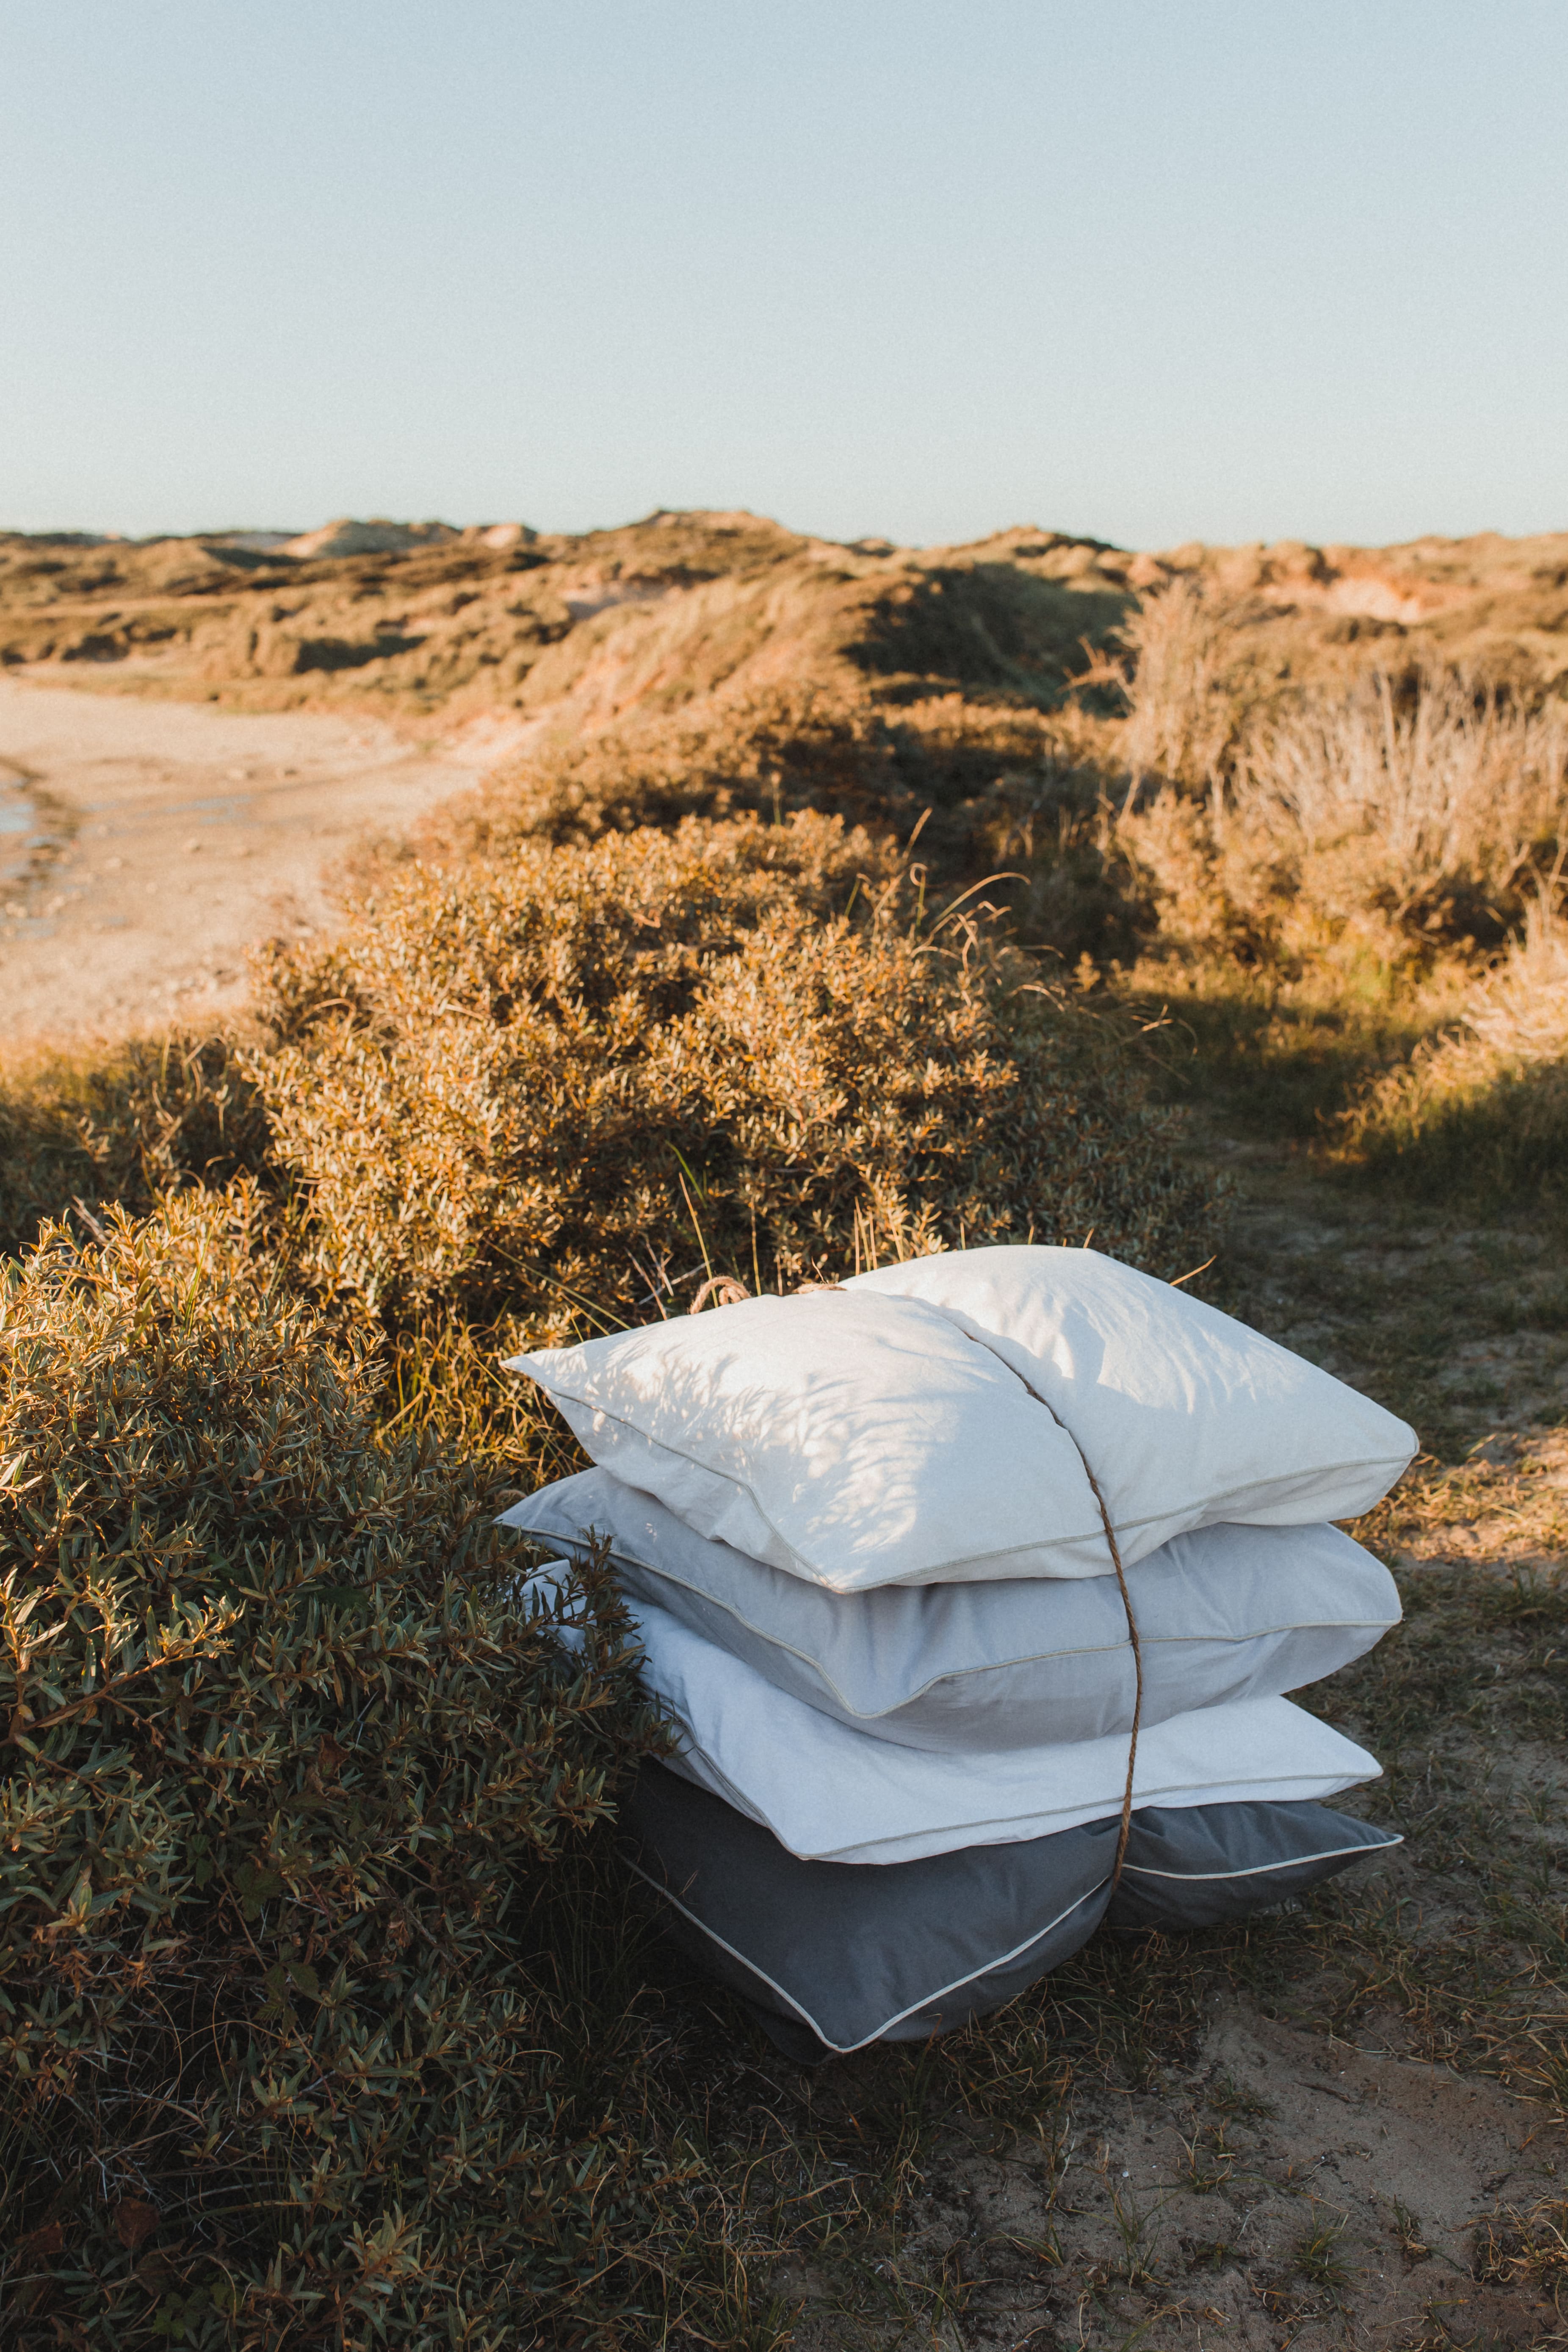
(126, 1123)
(770, 752)
(538, 1091)
(1395, 824)
(978, 777)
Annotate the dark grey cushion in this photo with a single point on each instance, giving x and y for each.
(833, 1955)
(1206, 1864)
(1223, 1613)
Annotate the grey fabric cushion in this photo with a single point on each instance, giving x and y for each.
(834, 1956)
(1224, 1612)
(1208, 1863)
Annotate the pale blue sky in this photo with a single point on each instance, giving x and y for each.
(1151, 269)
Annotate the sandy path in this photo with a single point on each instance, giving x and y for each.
(145, 845)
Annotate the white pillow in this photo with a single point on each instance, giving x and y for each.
(1224, 1612)
(832, 1794)
(1185, 1415)
(866, 1436)
(855, 1441)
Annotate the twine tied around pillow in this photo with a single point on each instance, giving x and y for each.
(725, 1289)
(726, 1286)
(1137, 1660)
(1115, 1550)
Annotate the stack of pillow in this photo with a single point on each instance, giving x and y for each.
(887, 1547)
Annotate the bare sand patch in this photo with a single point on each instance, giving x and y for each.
(1287, 2189)
(148, 845)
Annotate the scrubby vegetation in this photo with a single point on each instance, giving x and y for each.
(851, 931)
(80, 1129)
(553, 1093)
(289, 1768)
(302, 1880)
(1388, 820)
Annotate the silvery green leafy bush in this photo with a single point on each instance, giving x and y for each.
(292, 1776)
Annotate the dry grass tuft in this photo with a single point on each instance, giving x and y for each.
(1371, 824)
(1530, 2248)
(1188, 699)
(1480, 1110)
(1433, 808)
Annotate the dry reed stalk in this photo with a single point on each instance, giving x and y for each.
(1184, 710)
(1454, 782)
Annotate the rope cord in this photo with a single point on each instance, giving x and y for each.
(1115, 1549)
(1131, 1625)
(1137, 1663)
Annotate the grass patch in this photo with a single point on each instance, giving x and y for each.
(1479, 1112)
(1275, 1055)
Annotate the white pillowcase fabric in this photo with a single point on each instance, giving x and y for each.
(854, 1442)
(914, 1427)
(833, 1794)
(1223, 1613)
(1185, 1415)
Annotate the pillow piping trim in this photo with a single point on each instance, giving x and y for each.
(1261, 1869)
(845, 2049)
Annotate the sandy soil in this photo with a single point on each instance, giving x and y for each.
(145, 845)
(1175, 2218)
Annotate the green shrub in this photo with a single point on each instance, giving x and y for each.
(554, 1090)
(291, 1775)
(123, 1125)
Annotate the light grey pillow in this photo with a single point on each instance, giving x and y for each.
(833, 1955)
(1224, 1612)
